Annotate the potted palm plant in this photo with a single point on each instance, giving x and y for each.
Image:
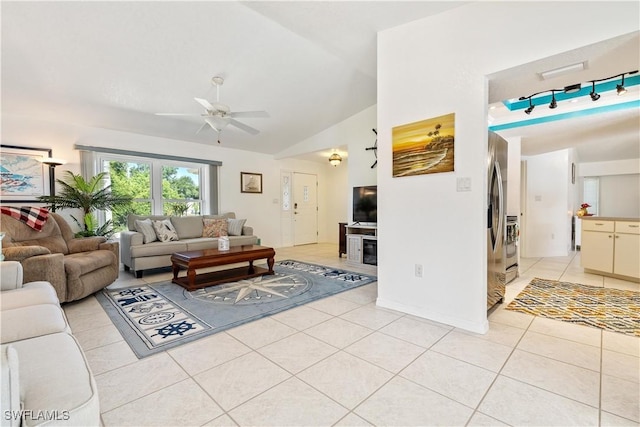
(89, 196)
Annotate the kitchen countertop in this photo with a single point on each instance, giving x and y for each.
(608, 218)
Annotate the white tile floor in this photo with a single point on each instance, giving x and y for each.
(343, 361)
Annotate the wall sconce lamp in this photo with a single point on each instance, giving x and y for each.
(335, 159)
(576, 88)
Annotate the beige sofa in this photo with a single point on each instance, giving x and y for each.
(46, 379)
(139, 256)
(76, 267)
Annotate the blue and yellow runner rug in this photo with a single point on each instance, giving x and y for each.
(605, 308)
(159, 316)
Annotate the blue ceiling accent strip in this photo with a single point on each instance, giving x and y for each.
(607, 86)
(564, 116)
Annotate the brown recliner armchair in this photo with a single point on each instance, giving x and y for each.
(76, 267)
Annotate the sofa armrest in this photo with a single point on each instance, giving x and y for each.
(247, 231)
(113, 247)
(85, 244)
(10, 275)
(49, 268)
(20, 253)
(128, 239)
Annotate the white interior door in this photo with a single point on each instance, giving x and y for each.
(305, 209)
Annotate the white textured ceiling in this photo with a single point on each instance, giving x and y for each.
(309, 64)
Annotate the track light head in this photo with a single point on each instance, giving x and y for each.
(530, 108)
(594, 96)
(620, 88)
(553, 104)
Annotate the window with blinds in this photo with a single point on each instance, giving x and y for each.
(591, 193)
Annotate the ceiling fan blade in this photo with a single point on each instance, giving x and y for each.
(202, 127)
(244, 127)
(250, 114)
(176, 114)
(206, 104)
(211, 123)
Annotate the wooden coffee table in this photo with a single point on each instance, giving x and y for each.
(193, 260)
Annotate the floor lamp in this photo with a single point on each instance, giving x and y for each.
(52, 163)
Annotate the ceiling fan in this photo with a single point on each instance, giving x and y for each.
(218, 115)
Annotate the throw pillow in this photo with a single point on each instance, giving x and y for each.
(234, 226)
(145, 226)
(165, 231)
(214, 227)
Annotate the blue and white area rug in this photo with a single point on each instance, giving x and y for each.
(160, 316)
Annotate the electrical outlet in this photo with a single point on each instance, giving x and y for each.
(418, 269)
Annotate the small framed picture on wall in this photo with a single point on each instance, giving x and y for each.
(250, 182)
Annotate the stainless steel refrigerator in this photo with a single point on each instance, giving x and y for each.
(496, 219)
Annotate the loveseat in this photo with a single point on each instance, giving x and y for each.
(45, 377)
(140, 250)
(76, 267)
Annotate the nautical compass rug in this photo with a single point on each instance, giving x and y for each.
(159, 316)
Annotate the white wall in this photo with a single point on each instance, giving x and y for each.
(548, 226)
(261, 210)
(620, 196)
(619, 186)
(437, 66)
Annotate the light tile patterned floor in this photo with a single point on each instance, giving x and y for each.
(343, 361)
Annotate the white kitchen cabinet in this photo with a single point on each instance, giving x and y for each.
(597, 250)
(611, 247)
(627, 249)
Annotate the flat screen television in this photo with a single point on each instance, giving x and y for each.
(365, 204)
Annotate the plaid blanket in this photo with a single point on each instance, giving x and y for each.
(33, 217)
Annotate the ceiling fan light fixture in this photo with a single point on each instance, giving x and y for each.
(335, 159)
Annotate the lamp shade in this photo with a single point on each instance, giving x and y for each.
(52, 161)
(335, 159)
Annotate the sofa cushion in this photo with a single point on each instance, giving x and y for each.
(242, 240)
(57, 381)
(214, 227)
(10, 387)
(158, 248)
(165, 231)
(32, 321)
(76, 265)
(234, 226)
(202, 243)
(145, 226)
(187, 227)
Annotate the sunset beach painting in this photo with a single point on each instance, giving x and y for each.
(424, 147)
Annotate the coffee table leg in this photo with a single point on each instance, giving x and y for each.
(251, 270)
(176, 269)
(191, 275)
(270, 262)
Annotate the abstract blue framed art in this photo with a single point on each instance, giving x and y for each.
(23, 176)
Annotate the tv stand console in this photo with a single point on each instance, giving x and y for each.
(362, 244)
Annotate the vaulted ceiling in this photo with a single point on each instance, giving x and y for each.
(310, 65)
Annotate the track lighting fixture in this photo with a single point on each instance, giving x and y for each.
(553, 104)
(620, 88)
(594, 96)
(530, 108)
(568, 91)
